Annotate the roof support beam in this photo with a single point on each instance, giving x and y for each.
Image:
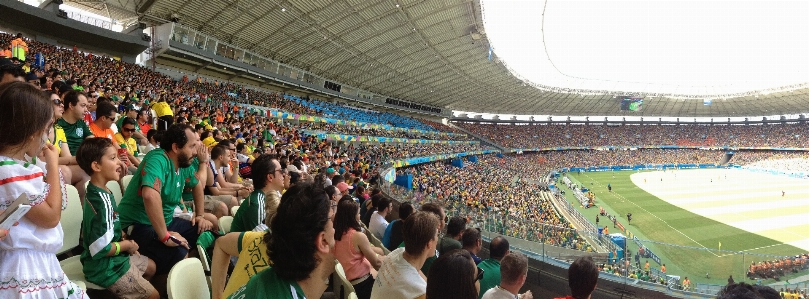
(146, 6)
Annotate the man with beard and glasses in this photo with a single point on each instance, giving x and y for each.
(147, 208)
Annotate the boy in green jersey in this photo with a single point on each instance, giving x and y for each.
(108, 260)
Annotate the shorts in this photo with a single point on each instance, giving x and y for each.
(211, 202)
(132, 285)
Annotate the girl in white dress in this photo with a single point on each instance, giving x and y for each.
(28, 264)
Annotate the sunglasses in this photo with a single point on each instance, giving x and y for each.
(129, 130)
(57, 102)
(480, 274)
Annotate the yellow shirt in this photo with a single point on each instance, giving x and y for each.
(253, 258)
(129, 144)
(162, 109)
(59, 138)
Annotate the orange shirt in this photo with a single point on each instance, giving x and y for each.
(98, 132)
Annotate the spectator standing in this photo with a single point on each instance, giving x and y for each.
(301, 247)
(454, 276)
(513, 273)
(378, 224)
(498, 249)
(19, 48)
(582, 277)
(399, 276)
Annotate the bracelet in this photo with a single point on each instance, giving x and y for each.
(166, 238)
(117, 248)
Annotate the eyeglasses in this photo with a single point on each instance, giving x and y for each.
(132, 130)
(57, 102)
(480, 274)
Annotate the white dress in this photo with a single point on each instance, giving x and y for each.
(28, 264)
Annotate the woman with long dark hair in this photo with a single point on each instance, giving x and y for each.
(454, 276)
(353, 250)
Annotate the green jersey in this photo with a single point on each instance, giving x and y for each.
(191, 181)
(491, 275)
(156, 171)
(267, 284)
(75, 133)
(100, 229)
(251, 213)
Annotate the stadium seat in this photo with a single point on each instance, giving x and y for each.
(233, 210)
(71, 220)
(187, 281)
(125, 181)
(74, 271)
(345, 286)
(115, 189)
(225, 222)
(352, 295)
(203, 258)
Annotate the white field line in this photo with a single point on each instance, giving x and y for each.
(658, 218)
(750, 225)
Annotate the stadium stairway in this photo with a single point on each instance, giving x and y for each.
(483, 140)
(726, 158)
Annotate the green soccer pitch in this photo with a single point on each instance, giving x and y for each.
(685, 215)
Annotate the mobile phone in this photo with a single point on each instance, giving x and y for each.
(175, 240)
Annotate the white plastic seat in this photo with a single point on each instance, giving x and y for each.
(71, 220)
(203, 258)
(225, 223)
(233, 210)
(73, 269)
(187, 281)
(347, 288)
(115, 189)
(125, 181)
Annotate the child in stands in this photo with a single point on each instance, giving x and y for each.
(28, 264)
(109, 261)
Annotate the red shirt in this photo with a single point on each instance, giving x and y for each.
(145, 127)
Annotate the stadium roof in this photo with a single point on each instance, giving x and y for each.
(428, 51)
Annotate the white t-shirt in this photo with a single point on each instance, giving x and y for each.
(378, 225)
(242, 158)
(498, 293)
(398, 279)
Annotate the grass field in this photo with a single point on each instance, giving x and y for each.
(686, 214)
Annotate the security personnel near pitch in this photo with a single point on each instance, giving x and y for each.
(629, 218)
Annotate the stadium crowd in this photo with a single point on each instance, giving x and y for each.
(541, 136)
(494, 197)
(286, 187)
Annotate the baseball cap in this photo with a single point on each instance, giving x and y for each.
(31, 76)
(342, 186)
(329, 170)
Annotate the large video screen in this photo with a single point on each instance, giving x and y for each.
(631, 104)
